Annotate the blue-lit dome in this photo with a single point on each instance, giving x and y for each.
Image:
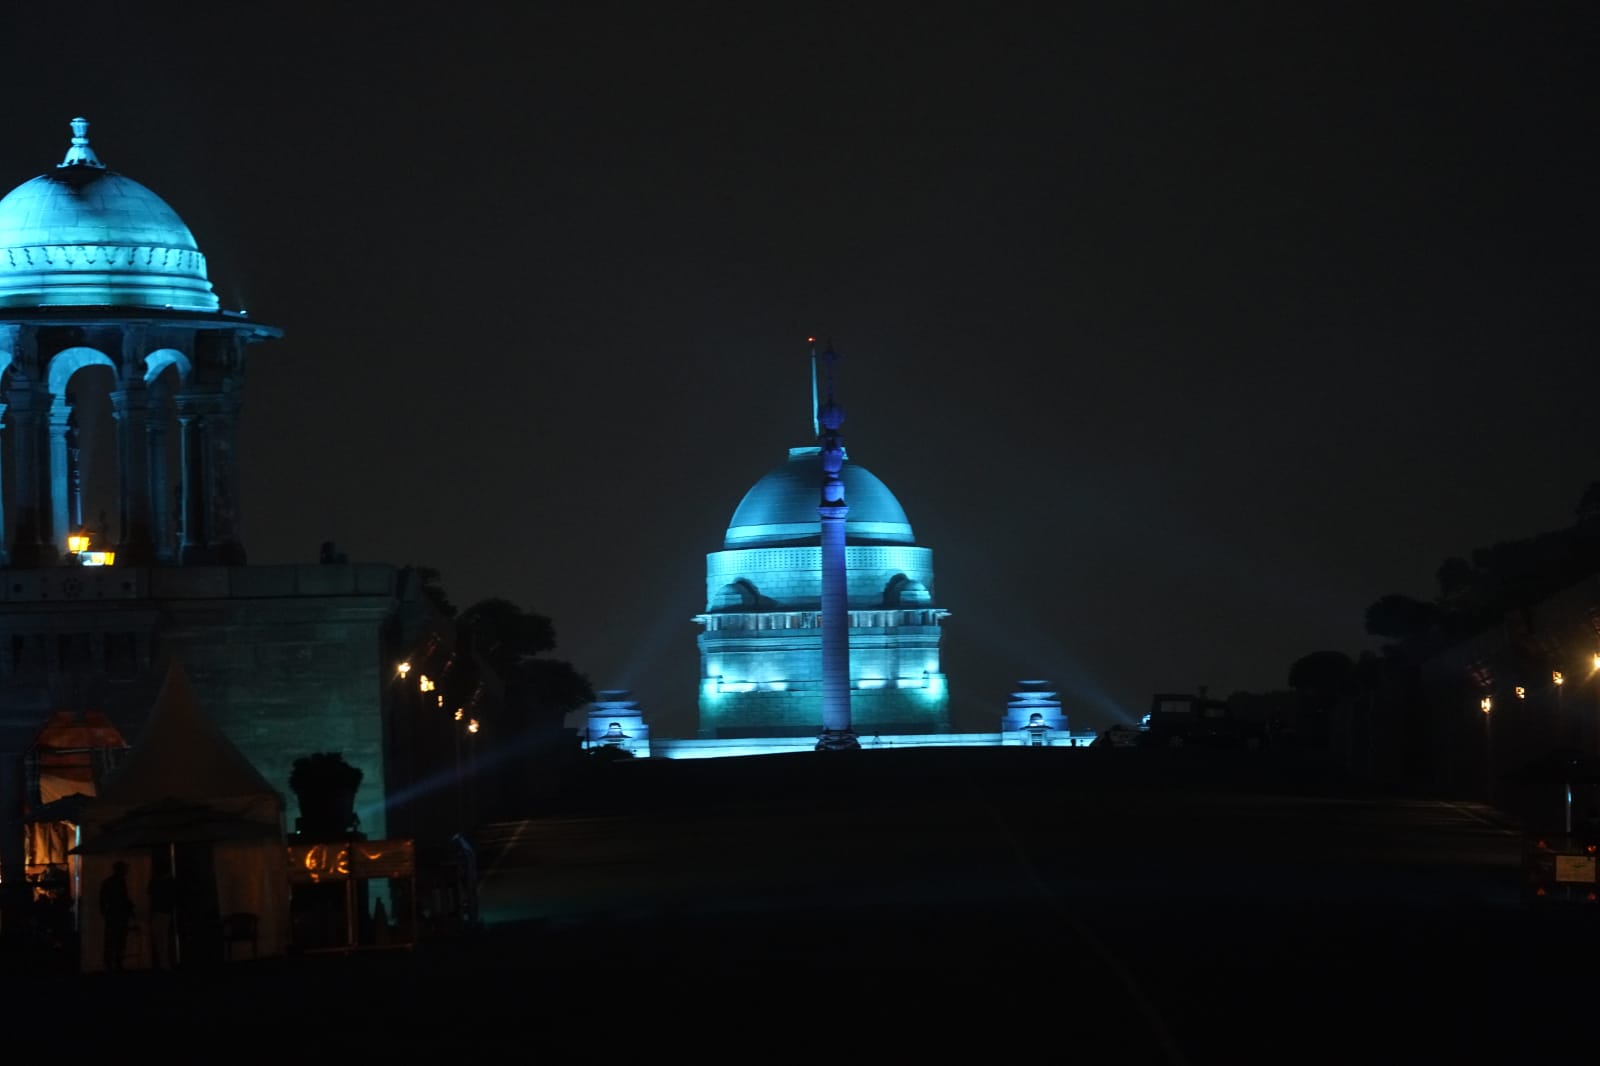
(85, 236)
(782, 507)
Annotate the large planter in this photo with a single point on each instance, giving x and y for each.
(325, 786)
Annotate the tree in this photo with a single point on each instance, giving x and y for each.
(433, 590)
(501, 675)
(1399, 617)
(1325, 676)
(1322, 679)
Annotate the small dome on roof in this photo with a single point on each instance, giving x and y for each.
(84, 236)
(782, 507)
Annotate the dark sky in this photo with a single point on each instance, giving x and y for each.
(1182, 332)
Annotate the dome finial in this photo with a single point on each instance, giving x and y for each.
(80, 154)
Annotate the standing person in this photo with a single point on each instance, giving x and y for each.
(163, 901)
(116, 907)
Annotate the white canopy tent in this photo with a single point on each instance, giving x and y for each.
(186, 796)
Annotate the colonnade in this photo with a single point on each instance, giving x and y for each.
(166, 375)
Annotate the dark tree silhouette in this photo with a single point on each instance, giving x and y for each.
(1399, 617)
(500, 673)
(1325, 676)
(1322, 679)
(433, 589)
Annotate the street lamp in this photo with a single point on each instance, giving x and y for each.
(1486, 704)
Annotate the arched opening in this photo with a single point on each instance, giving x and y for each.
(96, 492)
(86, 495)
(167, 373)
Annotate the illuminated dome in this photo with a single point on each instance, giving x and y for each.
(782, 507)
(85, 236)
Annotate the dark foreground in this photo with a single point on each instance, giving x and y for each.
(971, 905)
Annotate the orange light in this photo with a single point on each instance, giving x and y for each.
(1522, 693)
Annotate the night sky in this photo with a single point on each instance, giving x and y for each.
(1182, 333)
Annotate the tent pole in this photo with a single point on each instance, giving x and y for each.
(172, 872)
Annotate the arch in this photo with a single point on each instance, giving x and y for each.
(68, 362)
(158, 361)
(902, 591)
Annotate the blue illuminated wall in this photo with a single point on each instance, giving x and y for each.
(761, 637)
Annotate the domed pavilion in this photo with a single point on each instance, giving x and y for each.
(96, 270)
(761, 643)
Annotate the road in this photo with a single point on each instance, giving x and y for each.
(1157, 907)
(982, 905)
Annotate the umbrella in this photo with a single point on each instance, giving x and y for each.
(173, 822)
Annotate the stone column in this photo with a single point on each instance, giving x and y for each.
(222, 482)
(129, 408)
(60, 475)
(29, 408)
(192, 534)
(5, 550)
(161, 509)
(837, 731)
(74, 470)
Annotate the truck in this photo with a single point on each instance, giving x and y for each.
(1184, 719)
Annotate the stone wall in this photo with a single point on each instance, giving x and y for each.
(287, 660)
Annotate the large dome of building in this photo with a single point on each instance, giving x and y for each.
(782, 507)
(85, 236)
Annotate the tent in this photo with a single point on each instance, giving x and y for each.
(187, 801)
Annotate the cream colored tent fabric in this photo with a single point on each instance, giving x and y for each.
(184, 782)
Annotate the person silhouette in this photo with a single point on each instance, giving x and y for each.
(116, 907)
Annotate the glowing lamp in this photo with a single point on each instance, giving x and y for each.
(1558, 677)
(425, 683)
(402, 670)
(460, 714)
(1484, 704)
(472, 726)
(1522, 693)
(78, 542)
(97, 558)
